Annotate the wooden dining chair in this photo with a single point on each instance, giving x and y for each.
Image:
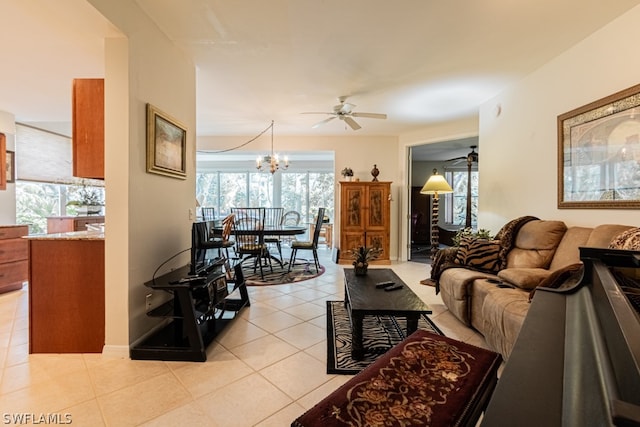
(249, 235)
(311, 245)
(273, 220)
(224, 241)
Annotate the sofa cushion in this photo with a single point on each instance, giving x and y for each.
(454, 290)
(627, 240)
(479, 254)
(536, 244)
(524, 278)
(601, 235)
(568, 251)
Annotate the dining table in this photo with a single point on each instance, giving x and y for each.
(272, 231)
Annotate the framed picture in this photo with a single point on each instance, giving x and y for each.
(11, 166)
(166, 144)
(599, 153)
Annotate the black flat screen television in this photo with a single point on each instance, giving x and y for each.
(200, 232)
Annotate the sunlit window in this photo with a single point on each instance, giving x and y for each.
(303, 192)
(456, 202)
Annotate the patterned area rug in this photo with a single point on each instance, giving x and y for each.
(301, 271)
(380, 334)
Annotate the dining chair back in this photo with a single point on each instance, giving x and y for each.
(249, 235)
(273, 220)
(311, 245)
(290, 218)
(225, 242)
(208, 214)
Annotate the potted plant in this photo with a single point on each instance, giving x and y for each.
(361, 258)
(481, 234)
(347, 174)
(87, 200)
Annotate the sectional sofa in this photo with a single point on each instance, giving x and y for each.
(541, 253)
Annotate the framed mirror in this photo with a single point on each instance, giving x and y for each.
(599, 153)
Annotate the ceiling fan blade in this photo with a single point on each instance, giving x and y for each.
(344, 108)
(370, 115)
(323, 122)
(352, 123)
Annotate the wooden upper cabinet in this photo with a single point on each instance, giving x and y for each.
(88, 128)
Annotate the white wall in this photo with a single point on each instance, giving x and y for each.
(148, 214)
(8, 196)
(359, 153)
(518, 147)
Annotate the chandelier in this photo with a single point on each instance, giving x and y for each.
(271, 159)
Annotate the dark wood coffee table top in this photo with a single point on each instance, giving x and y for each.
(363, 296)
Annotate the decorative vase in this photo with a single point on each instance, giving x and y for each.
(375, 172)
(360, 269)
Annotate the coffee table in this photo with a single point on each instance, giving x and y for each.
(362, 298)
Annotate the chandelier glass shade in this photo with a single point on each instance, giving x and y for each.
(272, 161)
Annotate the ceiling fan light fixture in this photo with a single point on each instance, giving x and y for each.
(344, 111)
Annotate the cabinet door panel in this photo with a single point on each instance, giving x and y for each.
(379, 239)
(88, 128)
(353, 208)
(351, 241)
(377, 216)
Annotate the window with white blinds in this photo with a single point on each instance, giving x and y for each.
(45, 156)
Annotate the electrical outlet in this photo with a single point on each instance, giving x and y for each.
(191, 214)
(147, 300)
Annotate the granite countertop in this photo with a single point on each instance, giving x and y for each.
(71, 235)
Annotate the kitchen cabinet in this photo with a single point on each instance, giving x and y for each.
(65, 224)
(365, 218)
(88, 128)
(14, 258)
(66, 293)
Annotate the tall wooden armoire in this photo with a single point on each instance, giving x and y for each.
(365, 218)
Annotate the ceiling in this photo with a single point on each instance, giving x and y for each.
(418, 61)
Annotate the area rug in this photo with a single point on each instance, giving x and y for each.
(301, 271)
(380, 334)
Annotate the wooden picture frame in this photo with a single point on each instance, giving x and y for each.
(3, 161)
(11, 167)
(599, 153)
(166, 144)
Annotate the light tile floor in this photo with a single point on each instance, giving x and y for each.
(265, 369)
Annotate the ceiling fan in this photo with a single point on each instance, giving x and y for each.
(470, 158)
(344, 111)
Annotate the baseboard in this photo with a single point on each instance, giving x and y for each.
(116, 351)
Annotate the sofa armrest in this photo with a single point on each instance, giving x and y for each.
(524, 278)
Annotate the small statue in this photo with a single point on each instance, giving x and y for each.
(375, 172)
